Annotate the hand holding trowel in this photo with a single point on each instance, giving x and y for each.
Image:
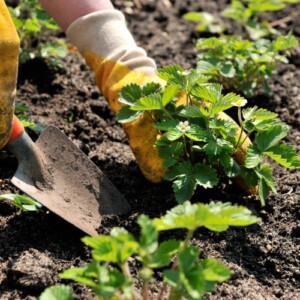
(57, 174)
(53, 170)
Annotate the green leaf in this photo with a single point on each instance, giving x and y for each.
(226, 128)
(166, 250)
(187, 176)
(191, 216)
(57, 292)
(215, 271)
(149, 235)
(285, 155)
(193, 16)
(249, 176)
(263, 191)
(169, 93)
(205, 175)
(270, 137)
(206, 68)
(150, 102)
(104, 281)
(191, 275)
(84, 275)
(130, 94)
(151, 88)
(57, 48)
(20, 108)
(205, 93)
(166, 125)
(265, 173)
(170, 152)
(249, 112)
(117, 247)
(194, 77)
(227, 69)
(172, 277)
(174, 134)
(173, 74)
(208, 43)
(266, 5)
(32, 25)
(225, 102)
(216, 147)
(26, 122)
(125, 114)
(184, 187)
(253, 157)
(263, 114)
(285, 42)
(187, 258)
(196, 133)
(22, 202)
(192, 111)
(231, 167)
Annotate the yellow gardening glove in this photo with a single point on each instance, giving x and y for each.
(9, 53)
(109, 49)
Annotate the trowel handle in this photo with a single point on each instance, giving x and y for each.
(20, 144)
(17, 129)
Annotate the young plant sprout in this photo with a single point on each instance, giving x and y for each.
(186, 275)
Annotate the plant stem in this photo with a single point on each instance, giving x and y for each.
(145, 291)
(125, 269)
(185, 147)
(175, 263)
(242, 127)
(247, 136)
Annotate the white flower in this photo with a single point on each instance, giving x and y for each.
(240, 103)
(183, 126)
(184, 72)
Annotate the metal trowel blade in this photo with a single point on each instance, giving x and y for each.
(78, 191)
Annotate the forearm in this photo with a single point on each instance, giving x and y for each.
(111, 52)
(66, 11)
(109, 49)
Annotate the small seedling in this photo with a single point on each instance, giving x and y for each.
(245, 62)
(247, 13)
(242, 65)
(22, 202)
(184, 273)
(34, 27)
(198, 147)
(206, 22)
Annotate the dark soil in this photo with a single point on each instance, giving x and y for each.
(36, 247)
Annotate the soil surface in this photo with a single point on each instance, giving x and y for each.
(36, 247)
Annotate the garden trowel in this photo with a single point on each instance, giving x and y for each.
(54, 172)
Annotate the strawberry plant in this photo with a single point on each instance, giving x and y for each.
(199, 146)
(184, 273)
(243, 64)
(247, 15)
(34, 28)
(22, 202)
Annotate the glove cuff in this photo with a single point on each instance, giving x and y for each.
(105, 34)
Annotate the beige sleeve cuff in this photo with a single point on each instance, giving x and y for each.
(105, 34)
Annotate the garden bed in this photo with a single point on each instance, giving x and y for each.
(36, 247)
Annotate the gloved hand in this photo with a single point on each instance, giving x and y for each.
(111, 52)
(9, 54)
